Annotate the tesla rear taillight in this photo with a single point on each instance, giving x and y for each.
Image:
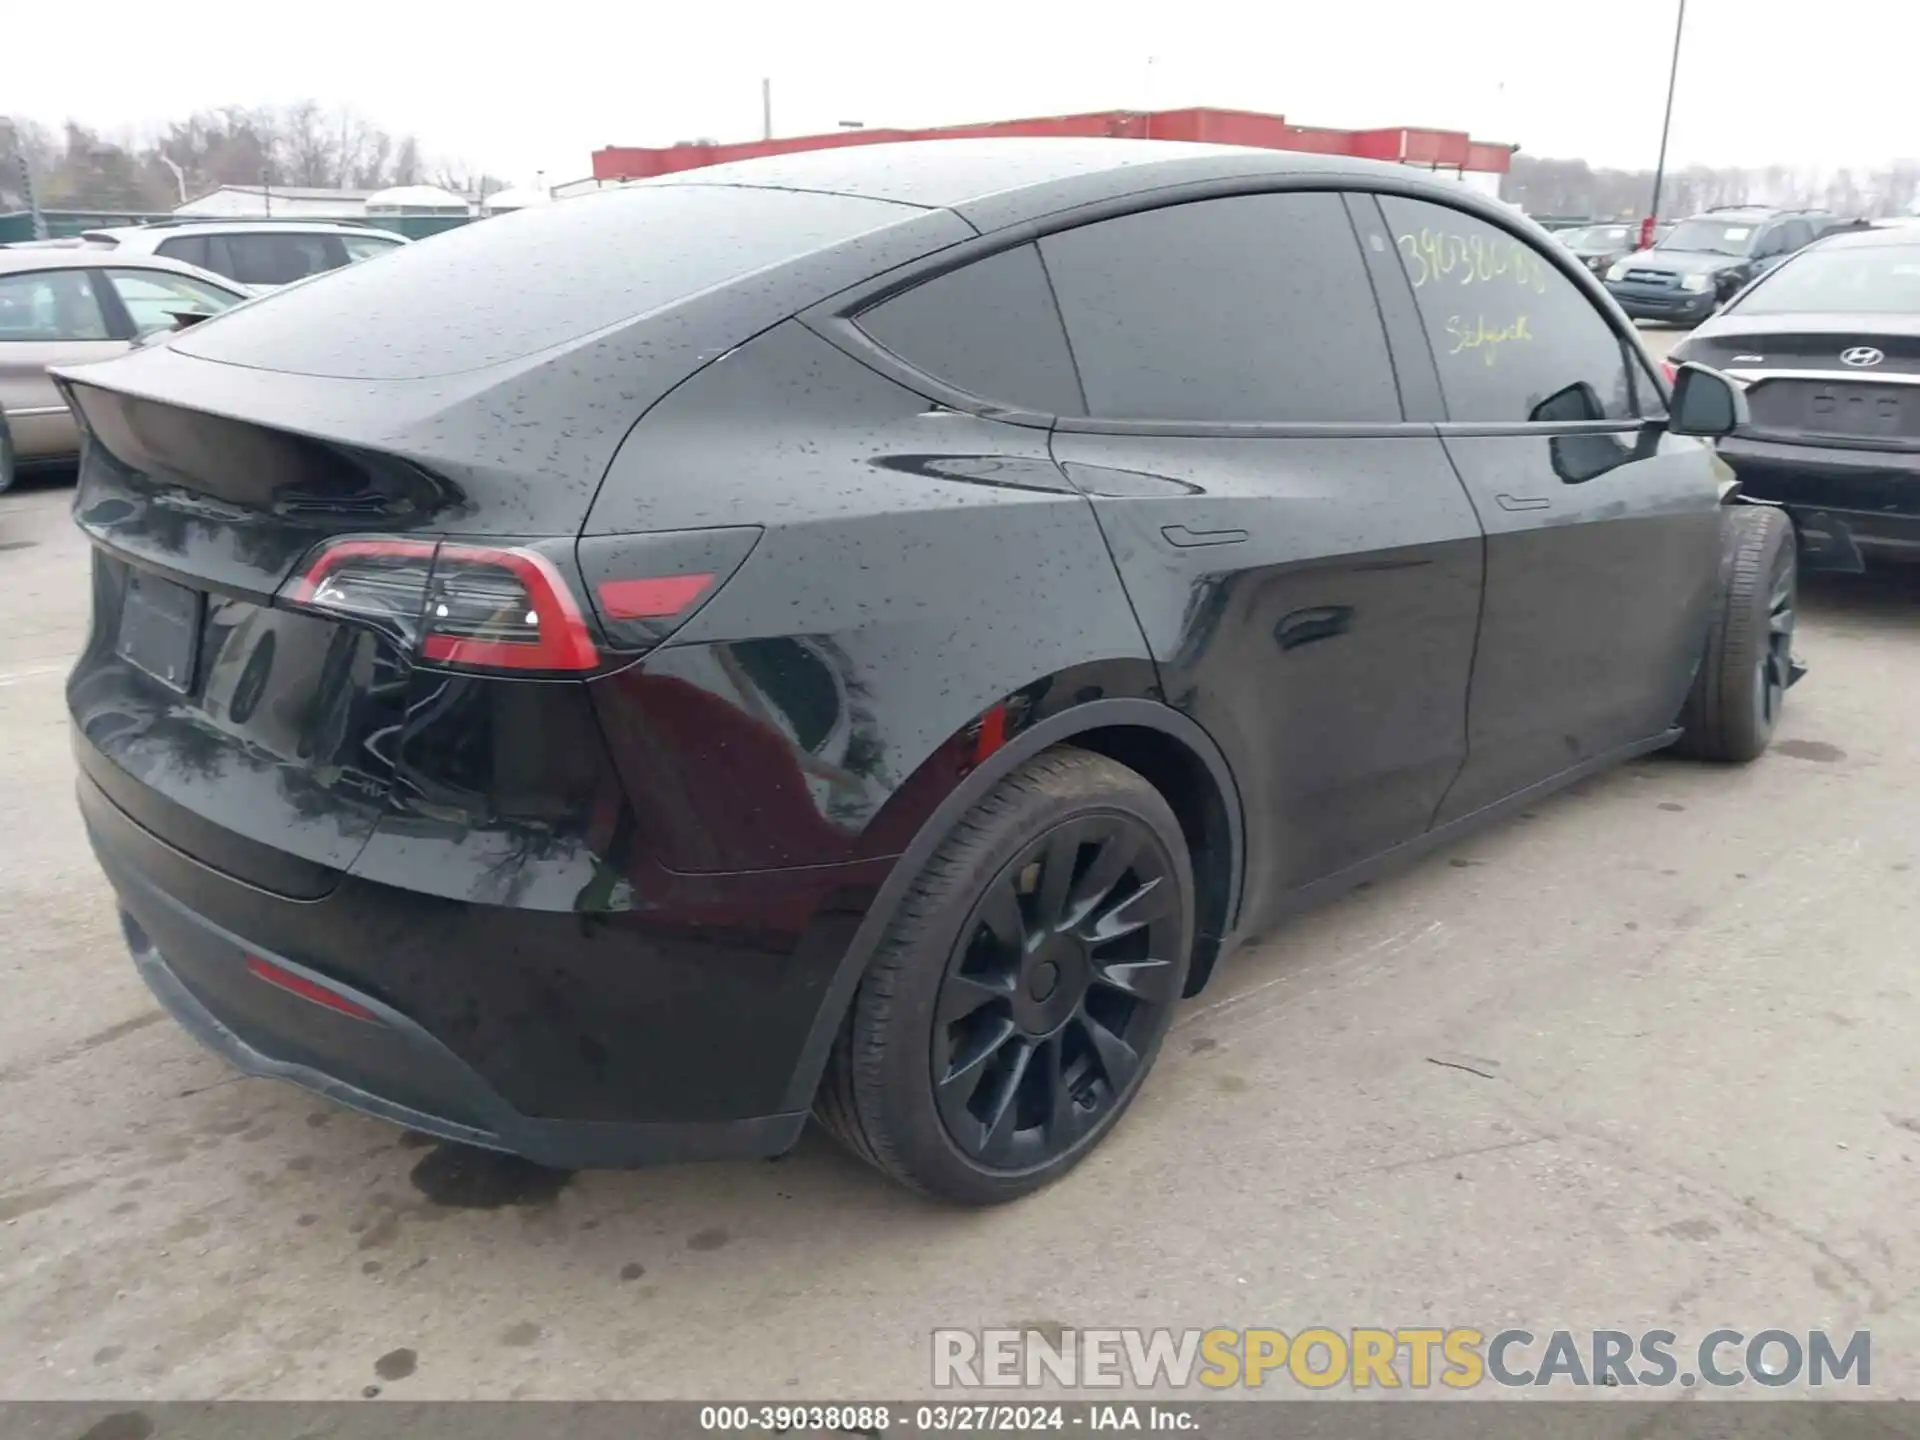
(515, 607)
(478, 607)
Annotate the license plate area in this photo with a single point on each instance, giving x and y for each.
(1868, 411)
(160, 629)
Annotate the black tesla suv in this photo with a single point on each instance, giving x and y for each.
(863, 633)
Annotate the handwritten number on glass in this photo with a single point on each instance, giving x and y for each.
(1442, 256)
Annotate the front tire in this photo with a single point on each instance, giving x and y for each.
(1742, 683)
(8, 460)
(1020, 996)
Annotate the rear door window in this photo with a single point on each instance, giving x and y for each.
(1246, 309)
(44, 305)
(1514, 338)
(989, 329)
(269, 259)
(1795, 234)
(190, 248)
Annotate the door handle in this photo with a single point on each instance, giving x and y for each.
(1186, 539)
(1524, 502)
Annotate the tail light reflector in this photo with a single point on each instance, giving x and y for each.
(652, 599)
(285, 979)
(644, 587)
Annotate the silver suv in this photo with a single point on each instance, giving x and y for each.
(259, 254)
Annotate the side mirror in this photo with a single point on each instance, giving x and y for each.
(1706, 403)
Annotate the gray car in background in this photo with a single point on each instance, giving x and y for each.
(64, 305)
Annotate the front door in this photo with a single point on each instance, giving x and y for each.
(1602, 530)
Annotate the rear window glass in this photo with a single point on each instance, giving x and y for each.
(1846, 282)
(514, 285)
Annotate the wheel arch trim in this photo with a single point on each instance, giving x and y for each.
(1057, 729)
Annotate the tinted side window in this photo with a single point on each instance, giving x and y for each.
(1251, 308)
(1514, 339)
(190, 248)
(278, 259)
(989, 328)
(1798, 233)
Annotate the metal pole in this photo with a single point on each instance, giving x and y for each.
(34, 216)
(766, 109)
(1666, 124)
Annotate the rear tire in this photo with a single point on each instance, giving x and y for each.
(8, 460)
(1019, 998)
(1742, 683)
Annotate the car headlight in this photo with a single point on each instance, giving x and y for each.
(1617, 270)
(1696, 284)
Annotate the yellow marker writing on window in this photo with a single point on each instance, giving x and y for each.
(1489, 340)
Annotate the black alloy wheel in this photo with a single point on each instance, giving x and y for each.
(1774, 673)
(1740, 690)
(1070, 959)
(1021, 992)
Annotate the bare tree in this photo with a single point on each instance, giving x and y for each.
(302, 144)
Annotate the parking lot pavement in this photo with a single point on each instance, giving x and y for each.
(1643, 1056)
(1660, 339)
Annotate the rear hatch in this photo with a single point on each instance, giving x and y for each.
(273, 494)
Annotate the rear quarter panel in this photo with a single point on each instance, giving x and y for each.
(919, 567)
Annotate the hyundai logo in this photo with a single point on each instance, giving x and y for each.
(1861, 356)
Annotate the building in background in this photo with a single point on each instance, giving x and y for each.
(515, 198)
(1479, 163)
(416, 200)
(292, 202)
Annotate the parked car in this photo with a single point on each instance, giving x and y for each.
(1598, 246)
(259, 254)
(1828, 348)
(870, 631)
(63, 305)
(1706, 260)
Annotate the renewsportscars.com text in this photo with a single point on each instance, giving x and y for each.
(1419, 1358)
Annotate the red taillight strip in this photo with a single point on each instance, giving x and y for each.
(304, 586)
(1673, 371)
(307, 989)
(655, 599)
(567, 645)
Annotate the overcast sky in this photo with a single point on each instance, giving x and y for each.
(537, 87)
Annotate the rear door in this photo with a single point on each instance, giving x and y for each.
(1602, 529)
(1304, 563)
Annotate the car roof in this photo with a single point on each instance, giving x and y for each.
(16, 262)
(1000, 181)
(217, 227)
